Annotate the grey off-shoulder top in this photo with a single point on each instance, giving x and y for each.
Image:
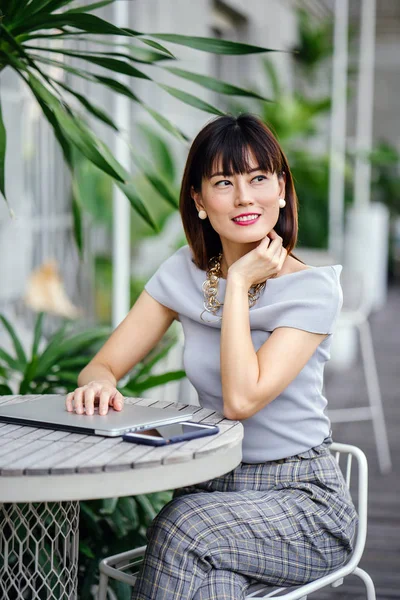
(310, 300)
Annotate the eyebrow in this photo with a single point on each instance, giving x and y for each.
(247, 172)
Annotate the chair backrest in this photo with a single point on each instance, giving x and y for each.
(344, 455)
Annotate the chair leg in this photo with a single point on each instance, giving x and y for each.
(103, 584)
(369, 584)
(375, 398)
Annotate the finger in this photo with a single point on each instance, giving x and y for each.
(78, 400)
(117, 401)
(68, 401)
(104, 400)
(282, 258)
(89, 400)
(265, 242)
(273, 235)
(275, 247)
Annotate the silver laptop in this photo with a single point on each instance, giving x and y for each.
(50, 412)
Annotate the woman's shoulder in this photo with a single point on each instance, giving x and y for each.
(304, 284)
(295, 272)
(178, 259)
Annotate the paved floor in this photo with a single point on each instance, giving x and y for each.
(347, 388)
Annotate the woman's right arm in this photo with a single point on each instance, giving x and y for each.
(139, 332)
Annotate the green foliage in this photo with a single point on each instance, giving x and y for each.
(24, 23)
(50, 367)
(385, 176)
(315, 42)
(106, 526)
(159, 183)
(54, 368)
(111, 526)
(294, 118)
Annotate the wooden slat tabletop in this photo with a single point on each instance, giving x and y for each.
(31, 454)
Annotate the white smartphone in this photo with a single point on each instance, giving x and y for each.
(171, 434)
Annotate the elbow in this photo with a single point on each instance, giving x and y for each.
(236, 411)
(239, 409)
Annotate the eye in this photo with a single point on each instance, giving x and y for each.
(223, 183)
(259, 178)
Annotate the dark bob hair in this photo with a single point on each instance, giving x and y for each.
(229, 140)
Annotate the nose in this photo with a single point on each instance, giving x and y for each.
(243, 195)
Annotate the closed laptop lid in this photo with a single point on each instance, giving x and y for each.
(49, 411)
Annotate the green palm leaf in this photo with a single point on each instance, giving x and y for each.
(137, 203)
(81, 21)
(94, 110)
(162, 186)
(37, 333)
(191, 100)
(20, 352)
(113, 64)
(134, 387)
(22, 21)
(216, 85)
(213, 45)
(90, 7)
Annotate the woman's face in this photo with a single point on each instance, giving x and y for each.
(242, 208)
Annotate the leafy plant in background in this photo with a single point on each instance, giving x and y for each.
(106, 526)
(294, 118)
(25, 24)
(96, 193)
(52, 369)
(315, 43)
(386, 189)
(112, 526)
(56, 366)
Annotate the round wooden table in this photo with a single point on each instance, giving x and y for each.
(44, 473)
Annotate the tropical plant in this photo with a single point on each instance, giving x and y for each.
(95, 190)
(53, 366)
(294, 118)
(109, 527)
(106, 526)
(26, 24)
(315, 42)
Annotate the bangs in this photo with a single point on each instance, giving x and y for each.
(236, 149)
(234, 145)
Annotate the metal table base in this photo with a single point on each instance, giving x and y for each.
(39, 551)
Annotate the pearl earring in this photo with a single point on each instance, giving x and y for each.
(202, 215)
(282, 202)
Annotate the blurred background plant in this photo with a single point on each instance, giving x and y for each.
(106, 526)
(109, 527)
(29, 31)
(159, 183)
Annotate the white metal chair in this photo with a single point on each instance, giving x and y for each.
(355, 315)
(124, 567)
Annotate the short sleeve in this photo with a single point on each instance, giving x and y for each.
(169, 284)
(312, 302)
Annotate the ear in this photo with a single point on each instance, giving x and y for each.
(282, 184)
(196, 196)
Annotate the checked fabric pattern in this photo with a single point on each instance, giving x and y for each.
(281, 523)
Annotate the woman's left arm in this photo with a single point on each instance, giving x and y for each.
(250, 379)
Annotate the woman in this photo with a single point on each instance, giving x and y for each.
(258, 325)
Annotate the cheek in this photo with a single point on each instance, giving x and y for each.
(215, 205)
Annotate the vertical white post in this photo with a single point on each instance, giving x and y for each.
(121, 207)
(365, 104)
(338, 130)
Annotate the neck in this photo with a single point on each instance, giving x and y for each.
(232, 252)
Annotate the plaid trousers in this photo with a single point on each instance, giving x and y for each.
(281, 523)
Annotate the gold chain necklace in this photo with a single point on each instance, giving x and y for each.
(210, 289)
